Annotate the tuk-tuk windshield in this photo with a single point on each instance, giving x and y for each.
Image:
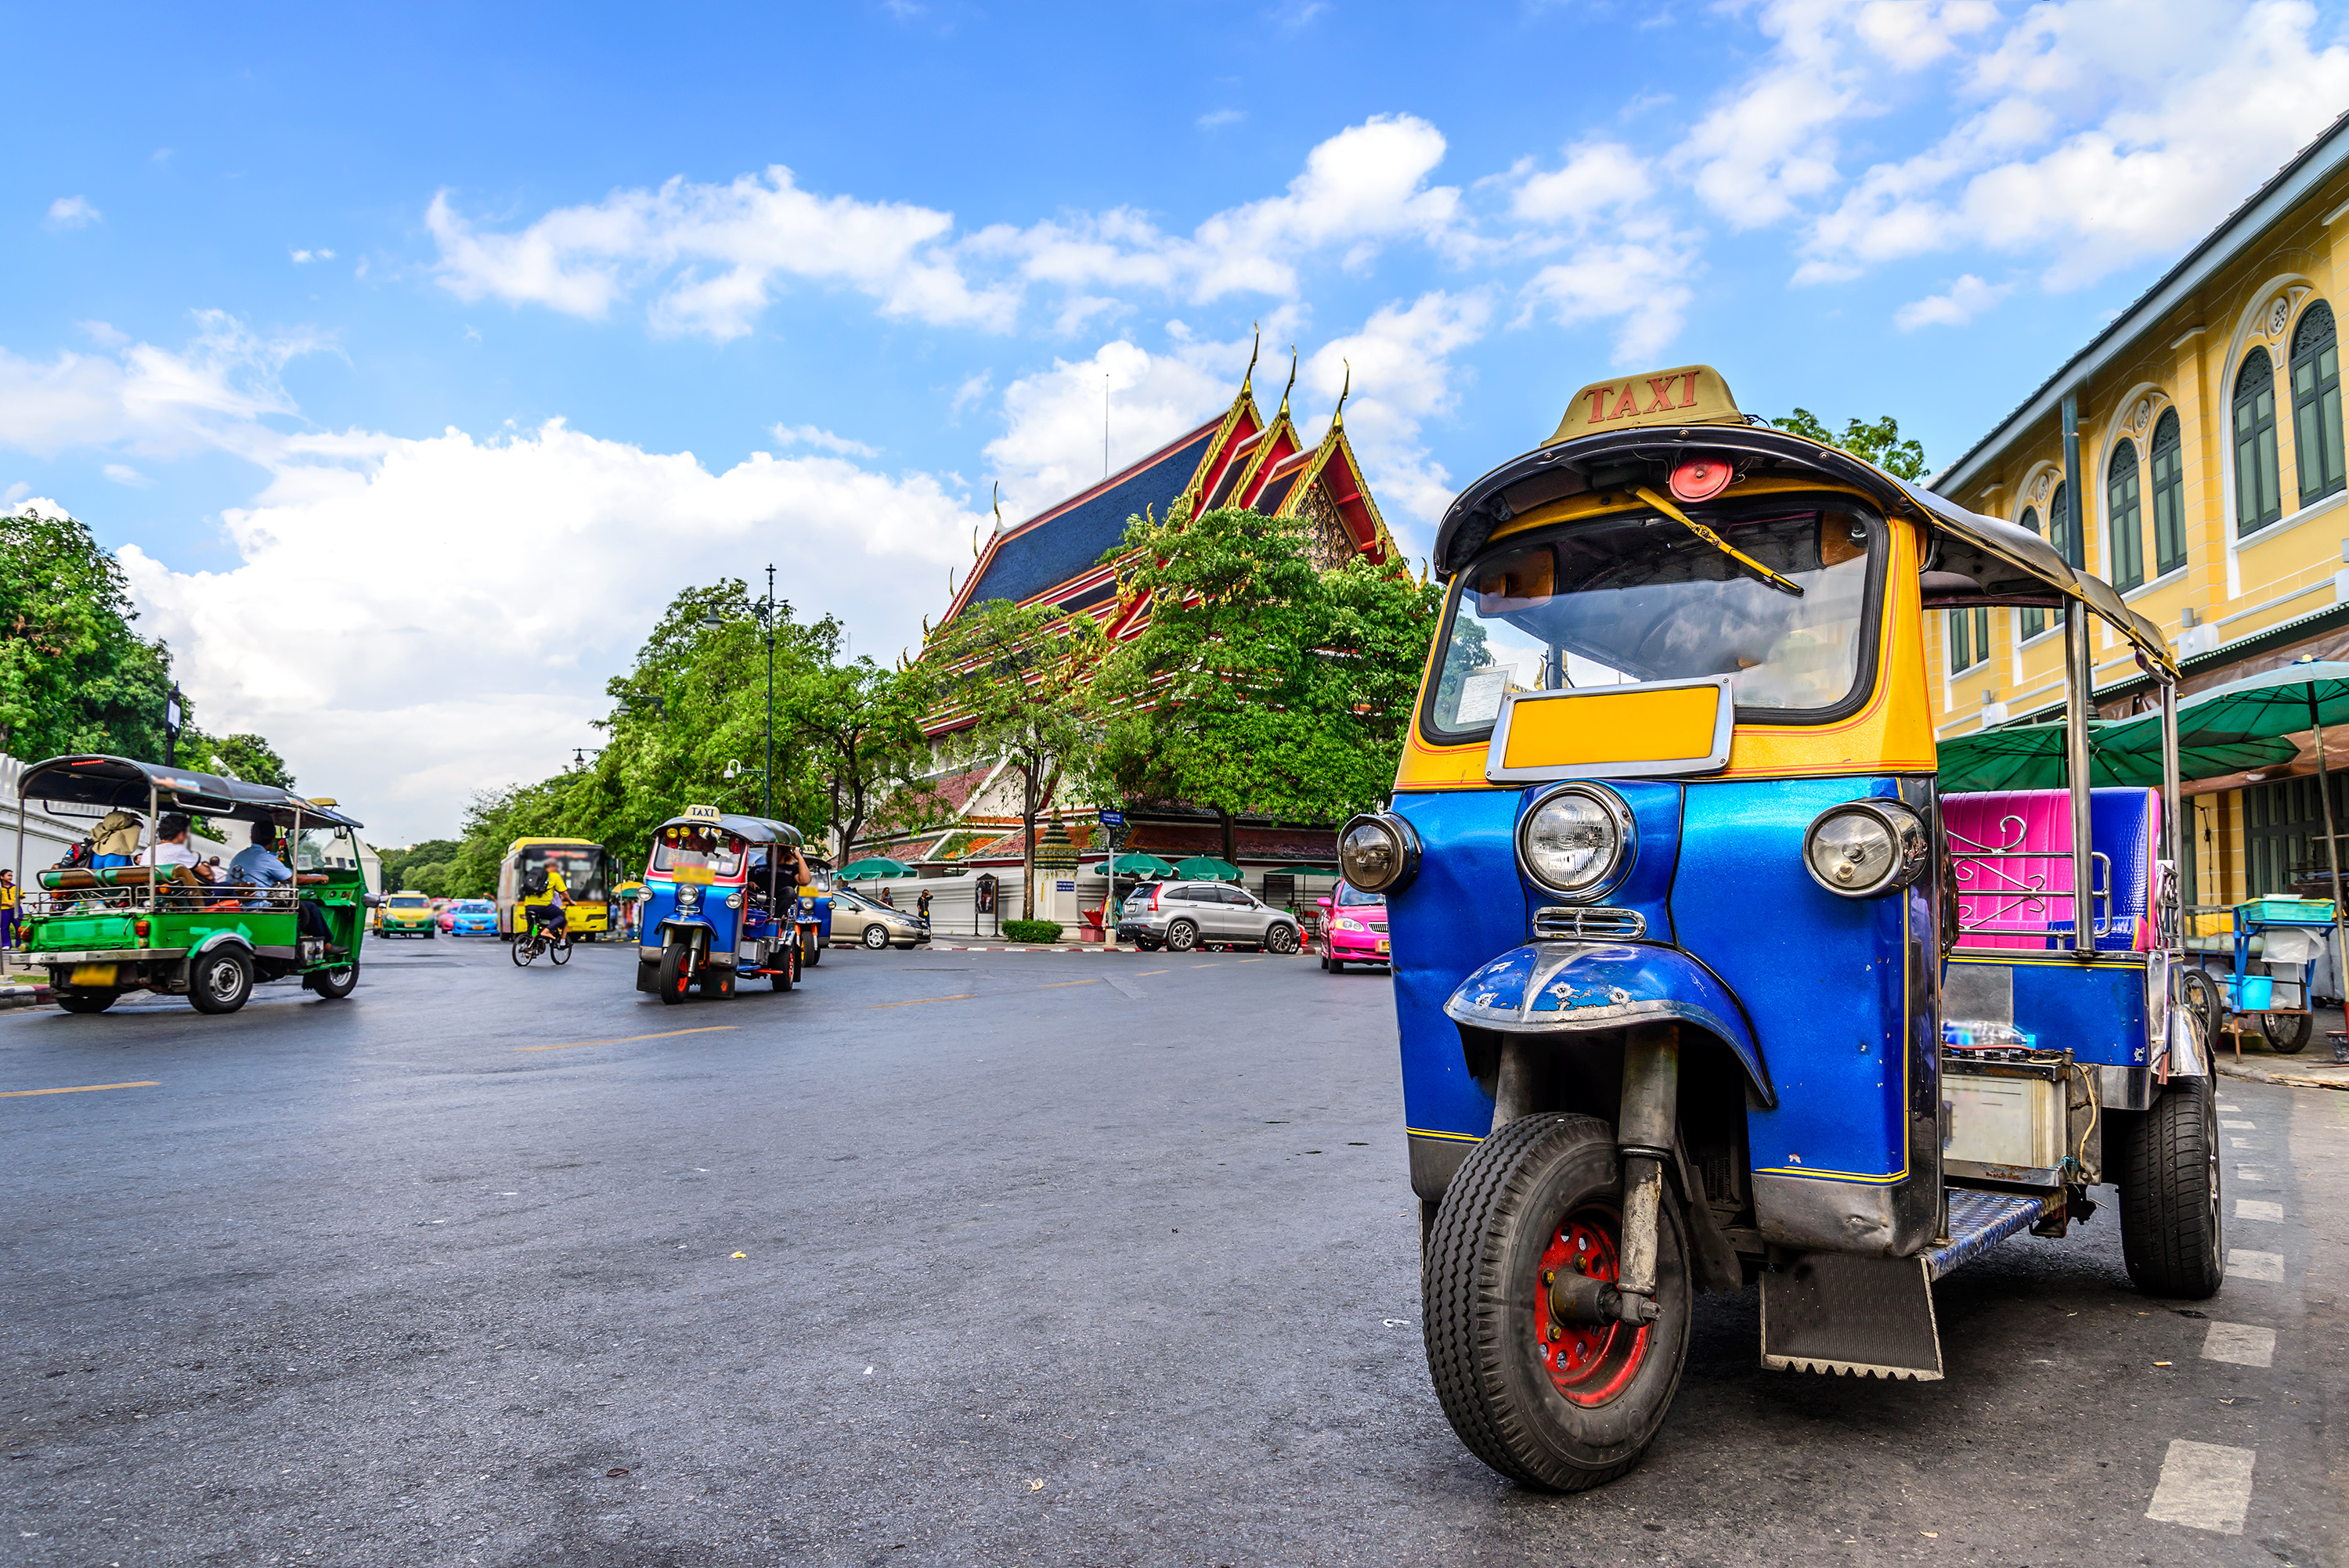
(683, 843)
(1638, 597)
(325, 849)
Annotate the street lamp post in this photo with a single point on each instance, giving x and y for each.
(172, 708)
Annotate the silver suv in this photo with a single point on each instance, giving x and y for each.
(1182, 916)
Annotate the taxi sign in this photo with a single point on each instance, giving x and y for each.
(1692, 394)
(702, 813)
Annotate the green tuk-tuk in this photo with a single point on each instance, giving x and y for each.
(98, 930)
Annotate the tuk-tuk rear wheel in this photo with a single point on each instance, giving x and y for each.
(1561, 1406)
(2173, 1236)
(86, 1001)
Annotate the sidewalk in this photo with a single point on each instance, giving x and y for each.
(2313, 1067)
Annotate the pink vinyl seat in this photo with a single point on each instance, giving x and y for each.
(2012, 904)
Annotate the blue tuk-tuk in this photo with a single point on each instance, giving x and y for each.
(1703, 977)
(720, 905)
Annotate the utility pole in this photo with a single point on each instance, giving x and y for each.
(767, 619)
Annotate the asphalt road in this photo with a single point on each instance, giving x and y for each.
(981, 1258)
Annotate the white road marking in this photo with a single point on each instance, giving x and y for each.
(2239, 1343)
(2242, 1265)
(2205, 1485)
(2240, 1125)
(2230, 1108)
(2240, 1142)
(2250, 1173)
(2253, 1208)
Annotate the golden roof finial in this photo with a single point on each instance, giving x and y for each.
(999, 506)
(1338, 414)
(1292, 379)
(1249, 379)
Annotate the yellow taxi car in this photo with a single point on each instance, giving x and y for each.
(407, 913)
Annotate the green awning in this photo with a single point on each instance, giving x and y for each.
(1134, 863)
(873, 870)
(1206, 868)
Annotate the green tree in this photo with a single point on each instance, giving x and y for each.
(1262, 683)
(252, 760)
(74, 674)
(1878, 440)
(1014, 681)
(861, 727)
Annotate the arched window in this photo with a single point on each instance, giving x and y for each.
(2168, 486)
(2316, 405)
(1969, 638)
(2259, 492)
(2034, 620)
(2060, 532)
(2124, 519)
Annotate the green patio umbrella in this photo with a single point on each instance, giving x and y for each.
(2126, 752)
(1136, 863)
(874, 869)
(1206, 868)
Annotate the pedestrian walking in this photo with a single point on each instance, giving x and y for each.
(8, 898)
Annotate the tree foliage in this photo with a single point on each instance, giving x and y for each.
(1262, 683)
(1876, 440)
(74, 676)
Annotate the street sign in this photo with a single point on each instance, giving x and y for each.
(1112, 819)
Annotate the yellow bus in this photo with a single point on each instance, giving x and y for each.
(587, 871)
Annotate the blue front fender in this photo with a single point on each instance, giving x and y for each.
(1572, 987)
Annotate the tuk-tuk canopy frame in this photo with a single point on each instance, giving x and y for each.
(1973, 559)
(749, 830)
(121, 783)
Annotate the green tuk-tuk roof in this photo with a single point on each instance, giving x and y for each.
(122, 783)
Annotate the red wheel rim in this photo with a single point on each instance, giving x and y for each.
(1588, 1363)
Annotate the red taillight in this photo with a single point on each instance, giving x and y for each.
(1154, 898)
(141, 927)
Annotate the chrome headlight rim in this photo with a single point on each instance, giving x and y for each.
(1912, 846)
(1405, 840)
(1627, 842)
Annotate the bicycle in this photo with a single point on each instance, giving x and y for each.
(534, 939)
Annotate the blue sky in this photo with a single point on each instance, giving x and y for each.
(414, 355)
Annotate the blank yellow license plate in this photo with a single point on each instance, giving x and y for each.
(1382, 947)
(91, 975)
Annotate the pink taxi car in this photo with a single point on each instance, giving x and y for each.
(1353, 928)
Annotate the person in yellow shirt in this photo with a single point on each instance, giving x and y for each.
(8, 898)
(555, 914)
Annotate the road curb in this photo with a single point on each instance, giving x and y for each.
(2295, 1081)
(26, 996)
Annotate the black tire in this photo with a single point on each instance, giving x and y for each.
(1483, 1309)
(219, 981)
(1280, 939)
(86, 1001)
(2287, 1033)
(1182, 936)
(877, 938)
(814, 952)
(1325, 964)
(559, 950)
(717, 983)
(2173, 1238)
(787, 972)
(333, 984)
(676, 974)
(2197, 990)
(523, 949)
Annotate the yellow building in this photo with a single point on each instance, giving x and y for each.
(2192, 456)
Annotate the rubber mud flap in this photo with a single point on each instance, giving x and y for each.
(1841, 1312)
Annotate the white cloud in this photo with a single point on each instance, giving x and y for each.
(73, 212)
(216, 393)
(124, 474)
(1597, 177)
(304, 257)
(1636, 277)
(1967, 298)
(443, 612)
(821, 440)
(1403, 375)
(1221, 117)
(756, 234)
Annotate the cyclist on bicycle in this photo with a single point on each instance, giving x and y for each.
(555, 914)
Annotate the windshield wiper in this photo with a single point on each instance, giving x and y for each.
(1677, 515)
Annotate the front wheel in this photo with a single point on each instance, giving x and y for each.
(2172, 1240)
(675, 973)
(219, 981)
(1182, 936)
(86, 1001)
(814, 952)
(1547, 1403)
(2287, 1033)
(876, 937)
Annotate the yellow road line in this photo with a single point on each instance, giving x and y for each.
(625, 1040)
(920, 1001)
(1063, 985)
(1251, 960)
(1148, 972)
(78, 1089)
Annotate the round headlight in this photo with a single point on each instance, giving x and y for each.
(1574, 840)
(686, 897)
(1377, 852)
(1866, 848)
(733, 901)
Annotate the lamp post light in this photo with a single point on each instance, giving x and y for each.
(766, 611)
(173, 707)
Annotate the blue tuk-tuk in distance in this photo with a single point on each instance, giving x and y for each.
(1701, 974)
(720, 906)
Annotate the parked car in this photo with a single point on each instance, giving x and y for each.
(857, 919)
(406, 913)
(1353, 928)
(470, 917)
(1182, 916)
